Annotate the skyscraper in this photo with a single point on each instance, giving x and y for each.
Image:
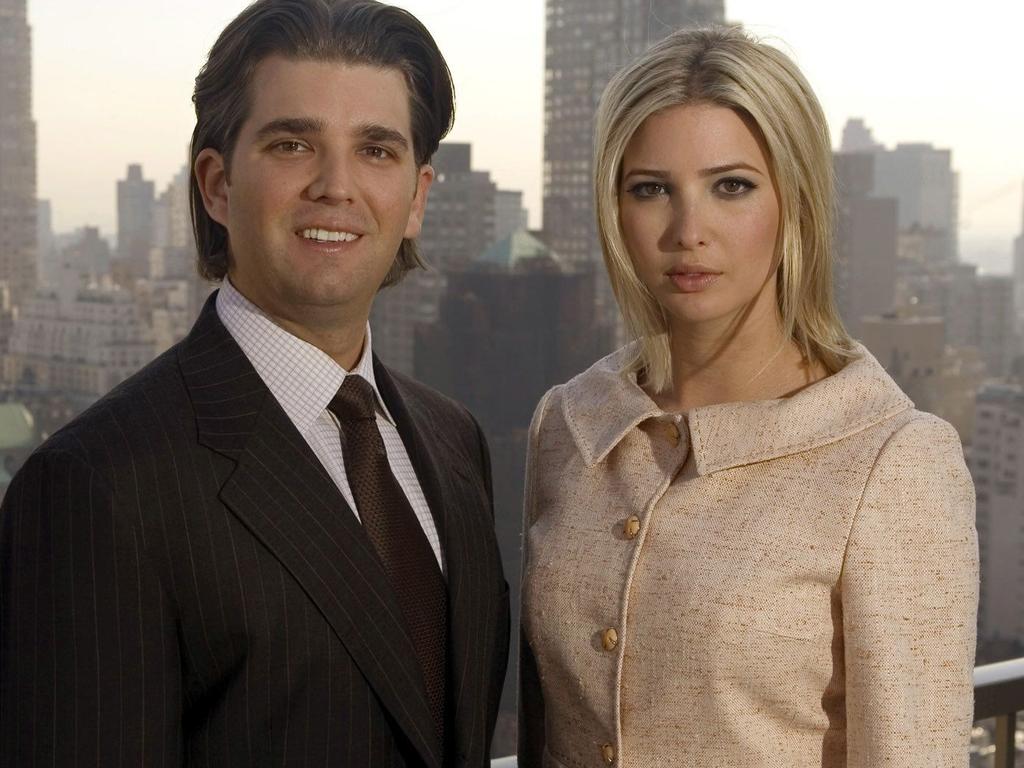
(458, 226)
(509, 214)
(922, 178)
(586, 42)
(17, 153)
(857, 137)
(866, 241)
(135, 202)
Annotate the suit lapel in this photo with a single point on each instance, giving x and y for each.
(282, 493)
(455, 490)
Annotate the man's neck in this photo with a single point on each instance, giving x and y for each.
(339, 334)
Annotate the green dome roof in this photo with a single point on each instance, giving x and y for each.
(519, 246)
(17, 427)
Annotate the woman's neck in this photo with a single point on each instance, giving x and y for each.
(745, 365)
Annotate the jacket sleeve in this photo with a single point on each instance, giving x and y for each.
(909, 591)
(531, 698)
(501, 632)
(89, 662)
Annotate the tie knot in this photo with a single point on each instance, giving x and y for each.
(355, 400)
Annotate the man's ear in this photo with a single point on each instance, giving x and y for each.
(212, 178)
(424, 178)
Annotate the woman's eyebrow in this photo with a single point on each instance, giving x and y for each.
(728, 167)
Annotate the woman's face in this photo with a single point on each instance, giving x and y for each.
(700, 216)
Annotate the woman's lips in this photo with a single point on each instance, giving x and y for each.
(693, 282)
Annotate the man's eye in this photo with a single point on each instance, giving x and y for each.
(378, 153)
(290, 146)
(648, 189)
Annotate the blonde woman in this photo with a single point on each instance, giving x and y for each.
(743, 545)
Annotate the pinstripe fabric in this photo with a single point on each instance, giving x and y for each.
(177, 586)
(304, 379)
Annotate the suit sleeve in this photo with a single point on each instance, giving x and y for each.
(485, 463)
(89, 663)
(909, 593)
(497, 676)
(531, 734)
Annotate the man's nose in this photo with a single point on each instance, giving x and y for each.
(334, 180)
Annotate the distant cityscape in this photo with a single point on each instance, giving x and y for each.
(506, 312)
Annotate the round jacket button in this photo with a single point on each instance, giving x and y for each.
(632, 527)
(609, 639)
(608, 753)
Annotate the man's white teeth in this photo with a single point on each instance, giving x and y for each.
(326, 236)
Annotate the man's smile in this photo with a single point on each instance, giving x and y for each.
(329, 236)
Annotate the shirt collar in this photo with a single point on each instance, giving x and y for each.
(602, 404)
(302, 377)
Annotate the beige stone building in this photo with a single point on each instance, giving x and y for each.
(939, 378)
(997, 465)
(79, 343)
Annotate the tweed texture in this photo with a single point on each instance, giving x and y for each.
(801, 589)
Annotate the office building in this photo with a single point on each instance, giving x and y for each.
(509, 213)
(18, 267)
(76, 341)
(135, 203)
(458, 226)
(997, 466)
(867, 237)
(586, 42)
(938, 378)
(857, 137)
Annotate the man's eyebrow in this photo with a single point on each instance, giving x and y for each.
(293, 125)
(382, 134)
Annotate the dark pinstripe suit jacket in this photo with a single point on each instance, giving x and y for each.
(182, 583)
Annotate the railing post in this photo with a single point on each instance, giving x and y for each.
(1006, 740)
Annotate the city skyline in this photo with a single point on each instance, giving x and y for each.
(124, 98)
(506, 314)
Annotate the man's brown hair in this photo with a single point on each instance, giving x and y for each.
(345, 31)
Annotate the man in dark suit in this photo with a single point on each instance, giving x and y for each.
(265, 548)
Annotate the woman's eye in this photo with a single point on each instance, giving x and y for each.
(734, 187)
(648, 189)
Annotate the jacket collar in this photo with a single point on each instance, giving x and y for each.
(602, 404)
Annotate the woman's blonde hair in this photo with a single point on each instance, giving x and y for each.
(724, 66)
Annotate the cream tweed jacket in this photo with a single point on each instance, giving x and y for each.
(781, 583)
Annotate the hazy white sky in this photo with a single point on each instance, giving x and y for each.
(113, 79)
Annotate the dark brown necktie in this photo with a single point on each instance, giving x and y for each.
(396, 535)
